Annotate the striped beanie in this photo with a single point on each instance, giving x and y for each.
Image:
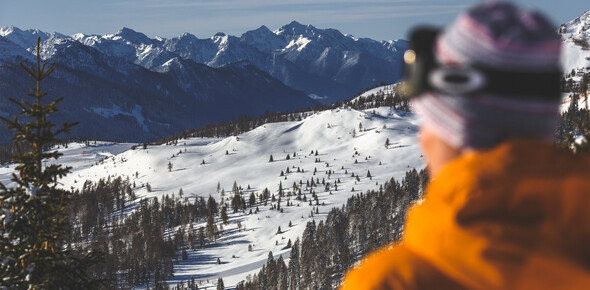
(496, 35)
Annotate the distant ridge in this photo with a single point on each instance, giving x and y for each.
(129, 87)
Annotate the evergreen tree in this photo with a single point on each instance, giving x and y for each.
(235, 188)
(211, 206)
(322, 275)
(252, 199)
(223, 215)
(584, 84)
(271, 271)
(211, 228)
(33, 213)
(294, 270)
(282, 275)
(308, 253)
(201, 237)
(220, 285)
(236, 201)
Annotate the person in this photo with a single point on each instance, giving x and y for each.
(505, 208)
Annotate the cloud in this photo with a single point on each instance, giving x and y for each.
(255, 4)
(240, 10)
(205, 17)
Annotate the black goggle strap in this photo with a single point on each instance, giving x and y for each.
(524, 85)
(424, 73)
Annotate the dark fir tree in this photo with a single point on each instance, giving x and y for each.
(211, 228)
(282, 274)
(308, 252)
(294, 270)
(33, 213)
(224, 216)
(252, 199)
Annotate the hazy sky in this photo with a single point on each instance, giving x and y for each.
(377, 19)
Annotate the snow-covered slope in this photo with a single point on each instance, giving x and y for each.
(576, 43)
(329, 133)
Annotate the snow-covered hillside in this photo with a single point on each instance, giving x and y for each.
(576, 43)
(329, 133)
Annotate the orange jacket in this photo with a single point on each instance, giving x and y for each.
(514, 217)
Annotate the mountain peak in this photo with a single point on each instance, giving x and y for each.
(23, 38)
(577, 29)
(6, 30)
(262, 30)
(186, 34)
(132, 36)
(125, 31)
(295, 28)
(263, 39)
(294, 23)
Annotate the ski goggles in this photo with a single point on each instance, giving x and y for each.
(423, 73)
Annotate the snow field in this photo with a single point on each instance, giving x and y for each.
(330, 133)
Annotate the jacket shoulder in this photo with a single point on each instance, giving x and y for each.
(396, 267)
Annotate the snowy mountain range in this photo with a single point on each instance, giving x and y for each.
(129, 87)
(116, 99)
(322, 63)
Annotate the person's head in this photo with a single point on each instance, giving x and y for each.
(491, 76)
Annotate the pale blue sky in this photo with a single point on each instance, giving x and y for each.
(377, 19)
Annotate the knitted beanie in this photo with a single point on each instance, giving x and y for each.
(496, 35)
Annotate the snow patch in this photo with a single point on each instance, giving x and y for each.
(299, 43)
(316, 97)
(116, 110)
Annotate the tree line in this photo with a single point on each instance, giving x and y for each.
(139, 239)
